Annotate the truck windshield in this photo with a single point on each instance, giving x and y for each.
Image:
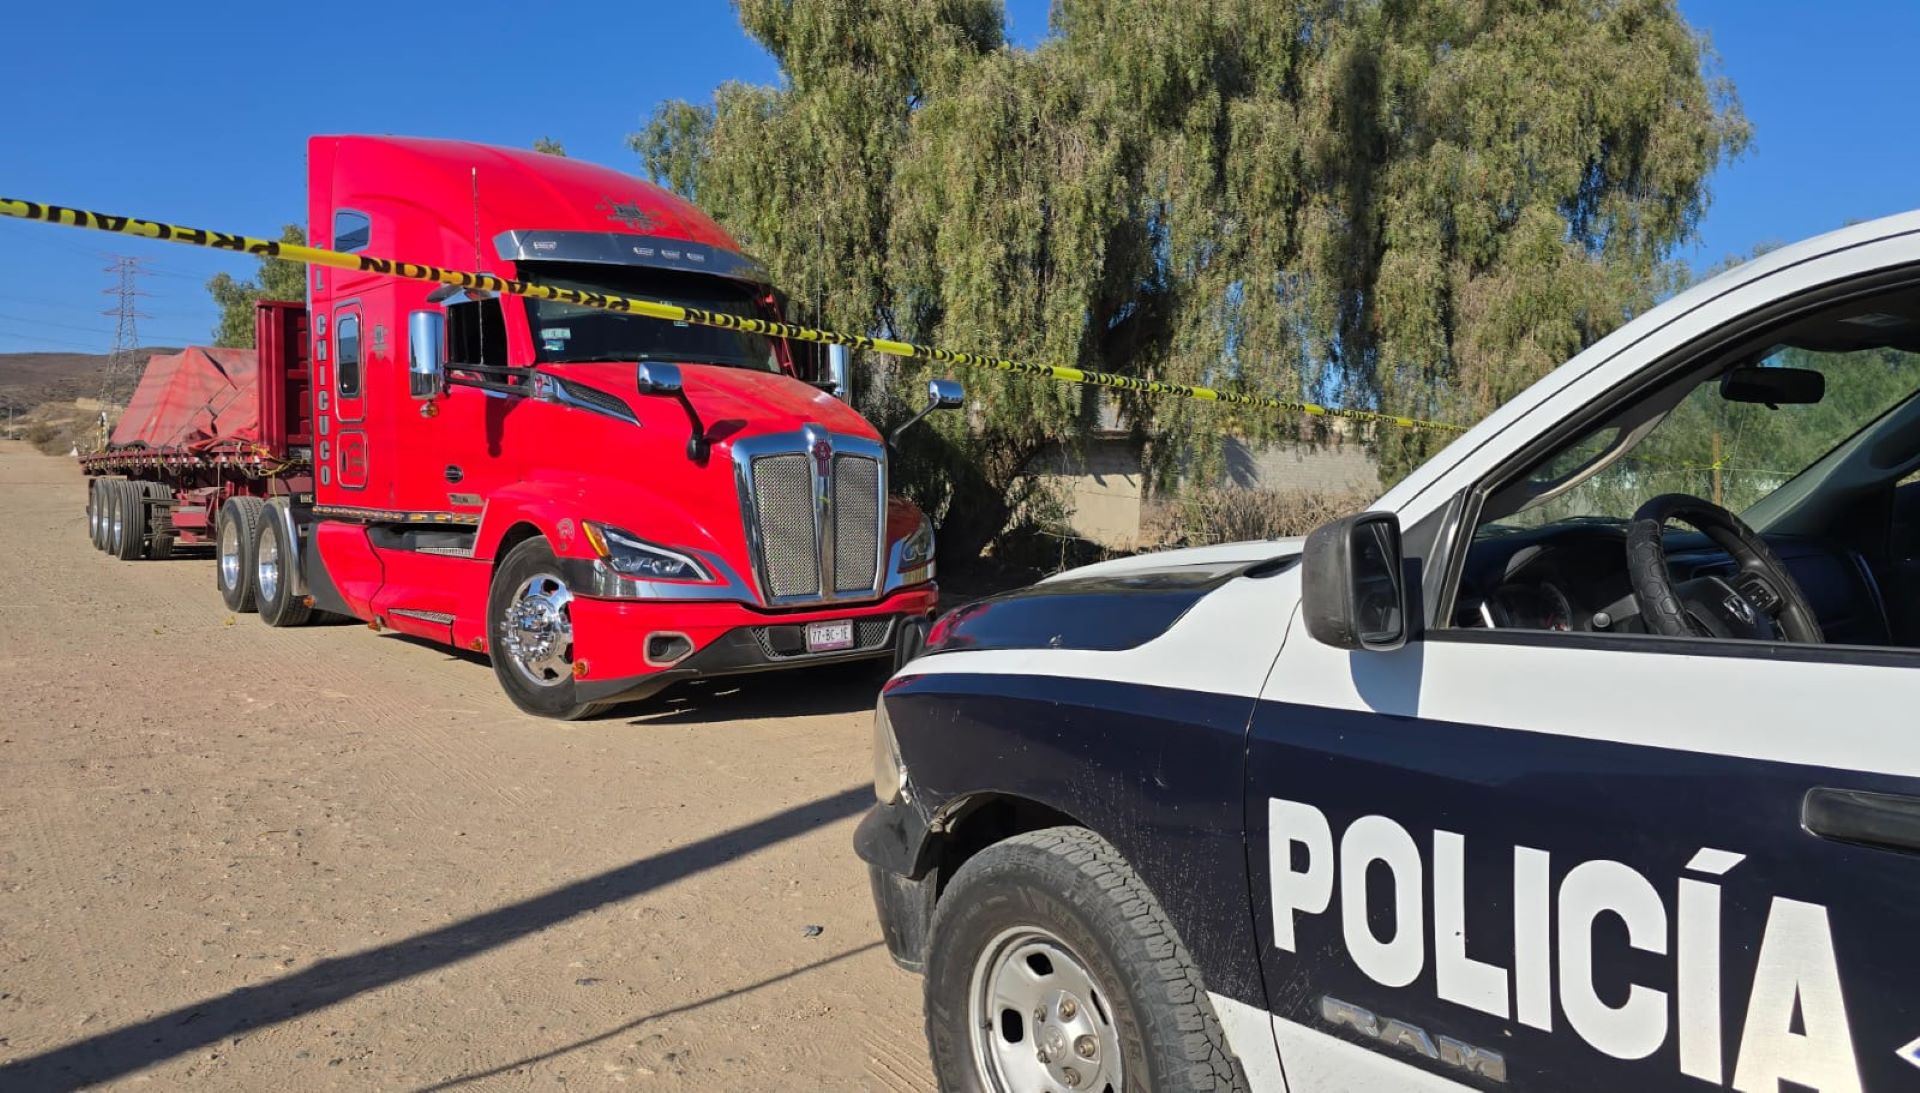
(570, 333)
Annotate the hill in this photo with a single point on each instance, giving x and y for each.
(53, 399)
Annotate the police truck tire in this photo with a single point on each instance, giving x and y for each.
(1066, 891)
(239, 526)
(131, 541)
(536, 670)
(159, 522)
(274, 577)
(93, 512)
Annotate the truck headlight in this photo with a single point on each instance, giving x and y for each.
(916, 552)
(631, 556)
(889, 774)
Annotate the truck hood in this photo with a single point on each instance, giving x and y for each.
(732, 401)
(1246, 553)
(1105, 607)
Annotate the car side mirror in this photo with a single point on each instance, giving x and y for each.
(426, 354)
(941, 395)
(1353, 593)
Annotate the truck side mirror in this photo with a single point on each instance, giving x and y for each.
(941, 395)
(664, 379)
(657, 379)
(426, 354)
(1352, 591)
(840, 373)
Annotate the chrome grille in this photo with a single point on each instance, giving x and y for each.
(783, 500)
(856, 522)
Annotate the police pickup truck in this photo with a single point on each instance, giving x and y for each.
(1587, 759)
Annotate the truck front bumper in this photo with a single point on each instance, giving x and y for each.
(629, 649)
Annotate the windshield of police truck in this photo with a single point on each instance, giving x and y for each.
(570, 333)
(1694, 440)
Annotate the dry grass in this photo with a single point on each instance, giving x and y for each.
(1231, 515)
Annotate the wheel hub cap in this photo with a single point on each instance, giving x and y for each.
(230, 555)
(1040, 1020)
(269, 567)
(537, 631)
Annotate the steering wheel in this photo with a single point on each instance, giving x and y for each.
(1758, 602)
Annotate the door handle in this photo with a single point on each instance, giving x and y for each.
(1888, 821)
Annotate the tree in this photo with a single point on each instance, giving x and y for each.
(550, 146)
(277, 280)
(1418, 206)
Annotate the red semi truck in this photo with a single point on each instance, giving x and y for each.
(602, 503)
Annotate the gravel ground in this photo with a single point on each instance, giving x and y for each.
(240, 858)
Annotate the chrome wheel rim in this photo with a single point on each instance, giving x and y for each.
(230, 554)
(116, 521)
(536, 631)
(267, 567)
(1040, 1021)
(94, 515)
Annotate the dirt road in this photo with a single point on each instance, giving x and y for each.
(246, 858)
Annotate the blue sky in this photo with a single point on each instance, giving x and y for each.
(202, 119)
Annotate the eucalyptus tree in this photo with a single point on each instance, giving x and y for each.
(1415, 205)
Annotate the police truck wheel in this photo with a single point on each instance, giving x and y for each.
(159, 522)
(530, 633)
(1051, 966)
(273, 577)
(233, 552)
(130, 522)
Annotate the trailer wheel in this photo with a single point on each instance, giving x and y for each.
(273, 561)
(233, 554)
(159, 522)
(530, 633)
(103, 506)
(130, 527)
(96, 509)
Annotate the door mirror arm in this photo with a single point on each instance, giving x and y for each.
(665, 379)
(941, 395)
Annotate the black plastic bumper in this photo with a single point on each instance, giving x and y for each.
(892, 840)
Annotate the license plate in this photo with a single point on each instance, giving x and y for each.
(824, 637)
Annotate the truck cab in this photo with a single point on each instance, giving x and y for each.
(602, 503)
(1582, 760)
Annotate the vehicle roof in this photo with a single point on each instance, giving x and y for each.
(512, 188)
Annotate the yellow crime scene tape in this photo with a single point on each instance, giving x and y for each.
(627, 305)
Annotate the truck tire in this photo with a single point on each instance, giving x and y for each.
(108, 513)
(530, 633)
(130, 534)
(1058, 914)
(96, 510)
(273, 562)
(233, 552)
(159, 522)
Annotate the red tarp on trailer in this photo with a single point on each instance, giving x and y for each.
(193, 399)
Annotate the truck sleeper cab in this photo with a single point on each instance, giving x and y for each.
(602, 503)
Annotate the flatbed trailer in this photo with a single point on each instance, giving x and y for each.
(143, 499)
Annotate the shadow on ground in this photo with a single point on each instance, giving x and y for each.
(531, 1060)
(122, 1051)
(792, 692)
